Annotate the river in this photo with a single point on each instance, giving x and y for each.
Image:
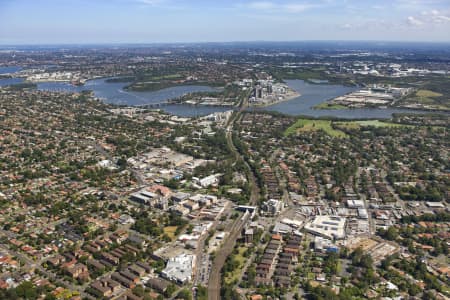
(310, 95)
(313, 94)
(8, 70)
(113, 92)
(9, 81)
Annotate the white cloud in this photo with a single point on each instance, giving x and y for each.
(347, 26)
(435, 16)
(430, 17)
(414, 21)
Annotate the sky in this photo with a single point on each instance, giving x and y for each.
(167, 21)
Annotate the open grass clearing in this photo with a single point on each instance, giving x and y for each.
(426, 97)
(373, 123)
(427, 94)
(170, 231)
(306, 125)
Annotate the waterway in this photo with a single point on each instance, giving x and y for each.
(314, 94)
(8, 70)
(10, 81)
(310, 95)
(113, 92)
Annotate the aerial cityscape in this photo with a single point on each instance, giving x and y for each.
(146, 156)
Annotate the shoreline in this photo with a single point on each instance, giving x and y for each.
(289, 96)
(329, 106)
(426, 110)
(131, 88)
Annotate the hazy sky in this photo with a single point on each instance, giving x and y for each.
(148, 21)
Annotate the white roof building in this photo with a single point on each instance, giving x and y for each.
(180, 268)
(331, 227)
(207, 181)
(282, 228)
(292, 223)
(362, 213)
(355, 203)
(435, 204)
(126, 219)
(274, 206)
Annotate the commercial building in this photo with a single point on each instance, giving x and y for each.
(355, 203)
(362, 213)
(144, 197)
(435, 204)
(324, 245)
(207, 181)
(331, 227)
(180, 269)
(273, 206)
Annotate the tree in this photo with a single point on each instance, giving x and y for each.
(122, 162)
(228, 293)
(170, 290)
(50, 296)
(331, 263)
(202, 293)
(26, 290)
(139, 291)
(251, 275)
(391, 233)
(185, 294)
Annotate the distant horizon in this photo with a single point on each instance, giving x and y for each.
(47, 22)
(125, 43)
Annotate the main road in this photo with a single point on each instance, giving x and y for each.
(214, 282)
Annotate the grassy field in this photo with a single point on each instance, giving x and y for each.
(170, 231)
(426, 96)
(305, 125)
(374, 123)
(235, 274)
(427, 93)
(327, 105)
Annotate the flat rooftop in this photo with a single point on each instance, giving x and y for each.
(332, 227)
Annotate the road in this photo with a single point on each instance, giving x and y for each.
(141, 181)
(29, 263)
(227, 248)
(366, 204)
